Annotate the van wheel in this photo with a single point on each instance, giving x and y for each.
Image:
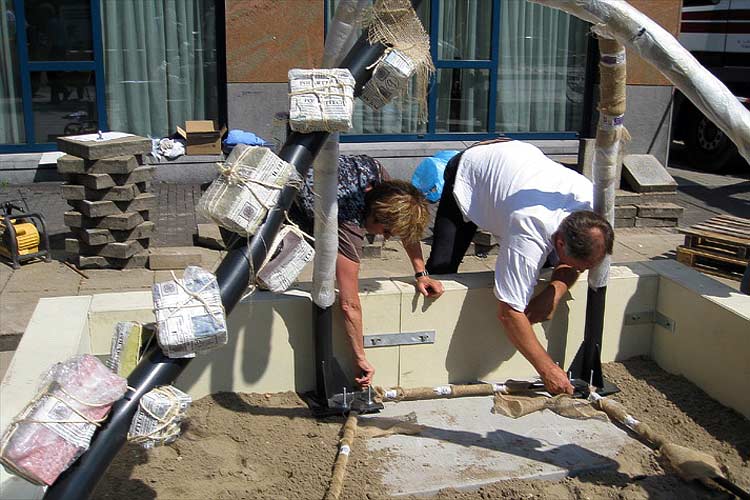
(710, 149)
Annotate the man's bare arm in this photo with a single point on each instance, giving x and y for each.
(518, 329)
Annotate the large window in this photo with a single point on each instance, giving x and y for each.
(503, 66)
(160, 62)
(77, 66)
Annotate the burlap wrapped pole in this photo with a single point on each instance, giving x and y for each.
(437, 392)
(610, 134)
(689, 464)
(339, 467)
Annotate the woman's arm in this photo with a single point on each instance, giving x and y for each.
(425, 285)
(347, 277)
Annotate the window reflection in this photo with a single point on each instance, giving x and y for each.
(64, 103)
(59, 30)
(541, 71)
(465, 30)
(462, 100)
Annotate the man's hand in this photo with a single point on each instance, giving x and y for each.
(556, 381)
(543, 306)
(367, 370)
(429, 287)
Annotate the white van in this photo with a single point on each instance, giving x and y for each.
(717, 33)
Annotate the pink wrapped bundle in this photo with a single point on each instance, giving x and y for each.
(56, 427)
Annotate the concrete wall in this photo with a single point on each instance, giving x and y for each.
(710, 345)
(649, 120)
(270, 346)
(271, 342)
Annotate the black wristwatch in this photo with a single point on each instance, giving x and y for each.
(420, 274)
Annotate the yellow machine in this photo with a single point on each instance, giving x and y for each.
(21, 234)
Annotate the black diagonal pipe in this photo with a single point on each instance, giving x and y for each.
(233, 276)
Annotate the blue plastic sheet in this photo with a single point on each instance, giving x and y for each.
(237, 136)
(428, 177)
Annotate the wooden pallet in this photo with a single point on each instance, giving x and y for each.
(719, 246)
(709, 263)
(723, 235)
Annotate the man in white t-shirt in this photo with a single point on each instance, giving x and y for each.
(540, 212)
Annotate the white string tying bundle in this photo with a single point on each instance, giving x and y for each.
(333, 85)
(199, 298)
(231, 175)
(288, 271)
(168, 427)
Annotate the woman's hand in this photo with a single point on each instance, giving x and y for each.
(367, 371)
(429, 287)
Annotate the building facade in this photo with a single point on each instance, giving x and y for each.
(145, 66)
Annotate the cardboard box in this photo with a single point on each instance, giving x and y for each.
(202, 137)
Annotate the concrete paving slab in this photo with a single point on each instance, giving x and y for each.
(44, 276)
(177, 258)
(5, 358)
(622, 253)
(465, 446)
(16, 310)
(109, 280)
(5, 273)
(654, 243)
(645, 174)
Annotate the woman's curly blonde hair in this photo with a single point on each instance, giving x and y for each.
(400, 207)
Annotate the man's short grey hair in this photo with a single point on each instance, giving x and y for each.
(576, 232)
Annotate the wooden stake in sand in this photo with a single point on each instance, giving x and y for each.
(339, 466)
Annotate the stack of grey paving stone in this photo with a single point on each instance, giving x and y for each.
(108, 189)
(650, 199)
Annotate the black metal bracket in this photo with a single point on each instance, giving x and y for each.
(587, 364)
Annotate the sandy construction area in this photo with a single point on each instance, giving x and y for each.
(268, 446)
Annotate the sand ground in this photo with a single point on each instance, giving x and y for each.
(268, 446)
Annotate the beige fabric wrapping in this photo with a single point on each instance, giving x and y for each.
(394, 23)
(612, 100)
(615, 410)
(463, 391)
(421, 393)
(579, 409)
(374, 427)
(691, 464)
(339, 466)
(647, 433)
(516, 406)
